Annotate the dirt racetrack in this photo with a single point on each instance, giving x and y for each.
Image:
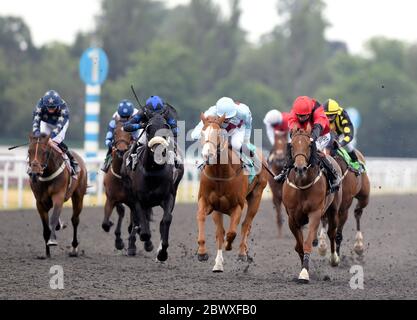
(390, 261)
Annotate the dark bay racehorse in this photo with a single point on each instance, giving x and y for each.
(276, 161)
(52, 185)
(225, 189)
(116, 195)
(306, 199)
(153, 182)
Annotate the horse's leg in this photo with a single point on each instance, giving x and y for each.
(220, 232)
(322, 237)
(43, 213)
(363, 201)
(77, 206)
(277, 200)
(58, 202)
(164, 226)
(203, 211)
(254, 200)
(343, 216)
(234, 222)
(119, 244)
(298, 234)
(108, 209)
(331, 232)
(134, 227)
(144, 228)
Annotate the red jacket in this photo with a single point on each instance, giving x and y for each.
(284, 125)
(319, 117)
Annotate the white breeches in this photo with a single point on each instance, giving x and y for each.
(48, 128)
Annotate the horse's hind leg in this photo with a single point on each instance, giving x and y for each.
(343, 215)
(220, 232)
(203, 211)
(119, 244)
(298, 234)
(108, 209)
(43, 213)
(58, 202)
(164, 226)
(359, 243)
(77, 206)
(254, 201)
(234, 222)
(278, 209)
(331, 232)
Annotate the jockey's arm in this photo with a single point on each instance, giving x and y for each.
(37, 114)
(248, 125)
(63, 119)
(347, 128)
(110, 133)
(134, 123)
(172, 121)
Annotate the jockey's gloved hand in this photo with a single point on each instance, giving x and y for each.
(130, 127)
(315, 134)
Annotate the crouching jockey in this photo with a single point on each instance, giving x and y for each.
(51, 116)
(154, 105)
(276, 121)
(125, 110)
(238, 125)
(307, 111)
(342, 126)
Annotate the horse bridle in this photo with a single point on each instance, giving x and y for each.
(219, 149)
(308, 160)
(45, 165)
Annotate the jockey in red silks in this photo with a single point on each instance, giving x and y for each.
(309, 112)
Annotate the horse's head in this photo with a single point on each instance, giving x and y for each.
(158, 134)
(39, 153)
(280, 145)
(301, 150)
(213, 137)
(122, 140)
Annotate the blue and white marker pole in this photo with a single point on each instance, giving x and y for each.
(94, 67)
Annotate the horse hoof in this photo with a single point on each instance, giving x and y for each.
(52, 243)
(60, 226)
(304, 277)
(359, 250)
(144, 237)
(228, 247)
(119, 245)
(334, 260)
(203, 257)
(162, 256)
(74, 253)
(242, 258)
(218, 269)
(131, 252)
(315, 243)
(148, 246)
(107, 226)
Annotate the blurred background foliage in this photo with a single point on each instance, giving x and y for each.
(193, 54)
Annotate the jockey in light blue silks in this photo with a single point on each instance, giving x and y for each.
(238, 125)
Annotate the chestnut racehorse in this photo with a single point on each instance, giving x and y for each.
(276, 162)
(354, 187)
(114, 187)
(225, 189)
(52, 185)
(306, 198)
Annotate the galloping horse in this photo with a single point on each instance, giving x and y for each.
(306, 199)
(354, 186)
(153, 181)
(276, 162)
(225, 189)
(52, 185)
(116, 195)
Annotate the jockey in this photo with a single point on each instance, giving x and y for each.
(51, 116)
(154, 105)
(341, 124)
(238, 124)
(276, 121)
(124, 111)
(308, 111)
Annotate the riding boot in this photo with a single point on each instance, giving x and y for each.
(332, 174)
(73, 162)
(357, 165)
(280, 178)
(107, 161)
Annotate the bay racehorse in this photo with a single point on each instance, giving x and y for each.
(276, 161)
(306, 199)
(225, 189)
(116, 195)
(152, 179)
(355, 186)
(52, 185)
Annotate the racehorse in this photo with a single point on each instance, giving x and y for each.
(306, 198)
(116, 195)
(225, 189)
(52, 185)
(354, 186)
(276, 162)
(153, 181)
